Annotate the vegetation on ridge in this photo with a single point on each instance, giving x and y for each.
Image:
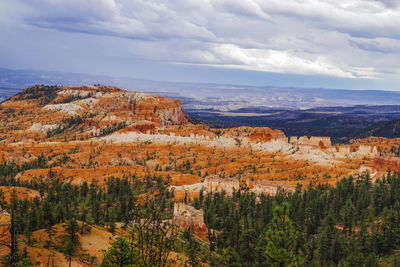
(355, 223)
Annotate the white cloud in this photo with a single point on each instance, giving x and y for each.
(229, 55)
(322, 37)
(354, 17)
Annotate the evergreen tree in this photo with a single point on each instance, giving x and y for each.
(326, 240)
(231, 258)
(348, 216)
(72, 228)
(246, 246)
(119, 254)
(281, 238)
(69, 251)
(191, 248)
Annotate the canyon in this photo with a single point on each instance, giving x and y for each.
(90, 134)
(102, 131)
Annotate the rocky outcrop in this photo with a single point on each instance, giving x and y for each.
(215, 183)
(293, 140)
(366, 150)
(69, 108)
(136, 106)
(344, 150)
(90, 110)
(353, 150)
(320, 141)
(129, 106)
(254, 134)
(188, 217)
(210, 185)
(269, 188)
(43, 128)
(93, 100)
(392, 164)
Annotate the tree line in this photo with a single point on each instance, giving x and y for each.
(354, 223)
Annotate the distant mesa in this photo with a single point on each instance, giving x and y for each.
(89, 111)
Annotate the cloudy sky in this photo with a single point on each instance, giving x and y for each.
(305, 43)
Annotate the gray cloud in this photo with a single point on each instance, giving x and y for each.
(325, 37)
(389, 3)
(380, 45)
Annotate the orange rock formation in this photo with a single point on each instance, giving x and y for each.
(188, 217)
(95, 132)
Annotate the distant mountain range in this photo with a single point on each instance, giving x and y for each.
(388, 129)
(340, 123)
(222, 97)
(341, 114)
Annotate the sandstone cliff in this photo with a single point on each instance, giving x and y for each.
(86, 111)
(188, 217)
(320, 141)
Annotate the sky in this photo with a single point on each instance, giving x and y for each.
(349, 44)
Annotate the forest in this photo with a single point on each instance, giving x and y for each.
(354, 223)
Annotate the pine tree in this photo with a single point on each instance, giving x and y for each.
(281, 238)
(119, 254)
(326, 239)
(72, 228)
(13, 231)
(191, 248)
(69, 251)
(246, 246)
(231, 258)
(371, 260)
(348, 215)
(259, 251)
